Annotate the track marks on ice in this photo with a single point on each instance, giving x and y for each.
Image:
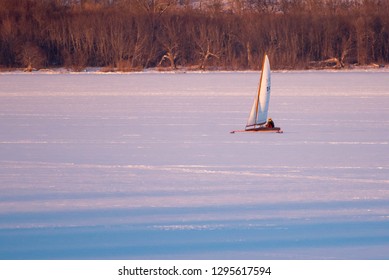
(289, 172)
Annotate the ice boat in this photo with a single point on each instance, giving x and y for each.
(258, 121)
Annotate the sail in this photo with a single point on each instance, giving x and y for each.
(258, 113)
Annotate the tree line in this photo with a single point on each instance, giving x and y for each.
(132, 35)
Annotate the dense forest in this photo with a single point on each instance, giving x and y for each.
(130, 35)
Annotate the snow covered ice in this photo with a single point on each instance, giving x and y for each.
(142, 166)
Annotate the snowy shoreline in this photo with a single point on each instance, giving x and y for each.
(100, 70)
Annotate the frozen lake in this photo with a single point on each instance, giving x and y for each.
(142, 166)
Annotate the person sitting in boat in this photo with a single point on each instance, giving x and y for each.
(270, 123)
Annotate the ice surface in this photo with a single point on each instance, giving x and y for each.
(142, 166)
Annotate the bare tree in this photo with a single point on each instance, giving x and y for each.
(169, 36)
(31, 56)
(206, 38)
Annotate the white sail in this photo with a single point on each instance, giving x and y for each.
(258, 114)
